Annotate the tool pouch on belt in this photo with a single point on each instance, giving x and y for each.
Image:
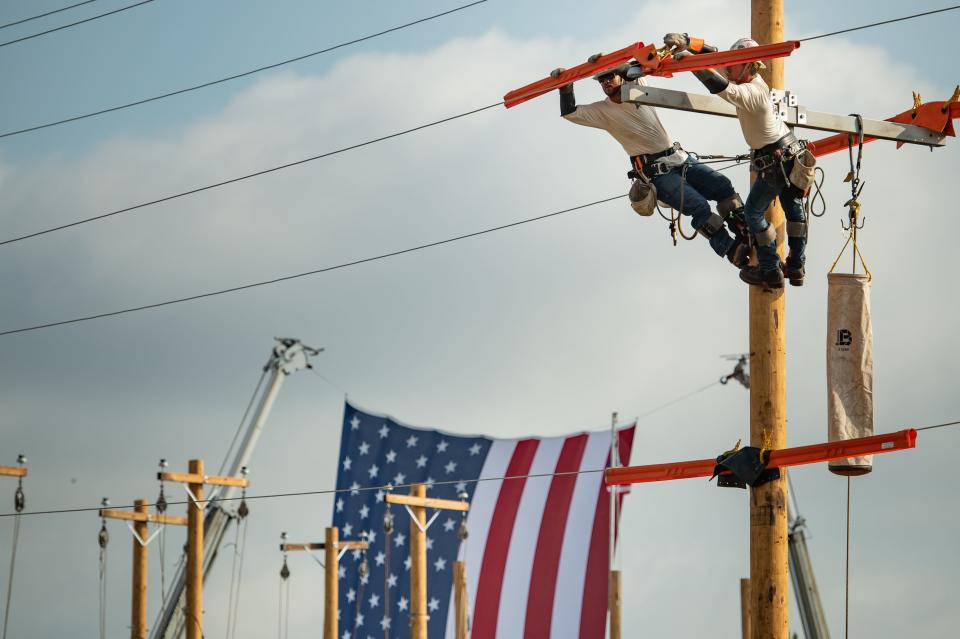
(804, 169)
(643, 196)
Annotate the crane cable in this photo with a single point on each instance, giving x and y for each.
(236, 568)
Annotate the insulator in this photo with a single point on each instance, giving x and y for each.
(284, 571)
(243, 511)
(161, 502)
(364, 568)
(19, 499)
(104, 537)
(388, 522)
(462, 532)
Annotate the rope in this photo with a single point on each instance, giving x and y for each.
(233, 578)
(846, 585)
(816, 194)
(853, 204)
(103, 538)
(242, 549)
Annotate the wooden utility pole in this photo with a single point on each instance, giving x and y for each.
(768, 425)
(745, 608)
(333, 550)
(416, 504)
(195, 480)
(140, 517)
(615, 600)
(460, 602)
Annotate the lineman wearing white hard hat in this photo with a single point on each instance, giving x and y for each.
(784, 168)
(660, 168)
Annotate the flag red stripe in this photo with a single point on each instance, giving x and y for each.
(498, 540)
(596, 582)
(546, 562)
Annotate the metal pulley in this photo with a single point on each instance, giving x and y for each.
(19, 499)
(161, 504)
(284, 570)
(462, 532)
(103, 538)
(243, 510)
(388, 522)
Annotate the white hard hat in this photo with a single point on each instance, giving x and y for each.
(744, 43)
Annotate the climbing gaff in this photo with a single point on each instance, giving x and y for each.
(781, 458)
(654, 61)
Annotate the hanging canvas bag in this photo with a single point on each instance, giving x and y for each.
(849, 366)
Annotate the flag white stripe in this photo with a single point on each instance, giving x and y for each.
(568, 601)
(523, 541)
(478, 520)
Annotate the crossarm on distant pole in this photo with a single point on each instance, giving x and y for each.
(13, 471)
(781, 458)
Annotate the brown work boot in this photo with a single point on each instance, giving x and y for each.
(739, 253)
(794, 271)
(753, 276)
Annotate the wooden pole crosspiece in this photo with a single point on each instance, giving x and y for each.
(140, 517)
(195, 480)
(416, 504)
(334, 550)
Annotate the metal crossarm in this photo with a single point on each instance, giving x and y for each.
(793, 115)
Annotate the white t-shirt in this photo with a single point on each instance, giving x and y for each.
(635, 126)
(759, 119)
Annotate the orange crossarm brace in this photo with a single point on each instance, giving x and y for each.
(781, 458)
(648, 58)
(604, 62)
(669, 66)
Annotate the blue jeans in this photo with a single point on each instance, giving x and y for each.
(762, 194)
(689, 194)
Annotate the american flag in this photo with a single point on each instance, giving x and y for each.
(537, 550)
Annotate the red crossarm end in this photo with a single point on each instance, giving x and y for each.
(782, 458)
(936, 116)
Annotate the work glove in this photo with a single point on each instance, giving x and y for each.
(680, 55)
(594, 57)
(557, 72)
(677, 41)
(634, 71)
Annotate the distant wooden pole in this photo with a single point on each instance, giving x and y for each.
(195, 555)
(460, 600)
(418, 566)
(769, 614)
(138, 620)
(745, 608)
(331, 600)
(615, 600)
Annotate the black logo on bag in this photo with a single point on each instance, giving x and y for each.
(844, 338)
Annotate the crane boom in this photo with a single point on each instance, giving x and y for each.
(286, 357)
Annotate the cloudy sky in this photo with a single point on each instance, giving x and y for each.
(542, 329)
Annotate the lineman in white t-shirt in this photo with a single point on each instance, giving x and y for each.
(775, 152)
(679, 180)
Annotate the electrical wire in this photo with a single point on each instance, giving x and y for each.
(73, 24)
(237, 75)
(674, 401)
(877, 24)
(340, 491)
(313, 272)
(44, 15)
(246, 177)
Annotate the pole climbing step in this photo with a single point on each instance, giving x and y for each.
(780, 458)
(654, 62)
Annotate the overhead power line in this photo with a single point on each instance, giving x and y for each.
(73, 24)
(208, 187)
(44, 15)
(336, 491)
(307, 273)
(238, 75)
(877, 24)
